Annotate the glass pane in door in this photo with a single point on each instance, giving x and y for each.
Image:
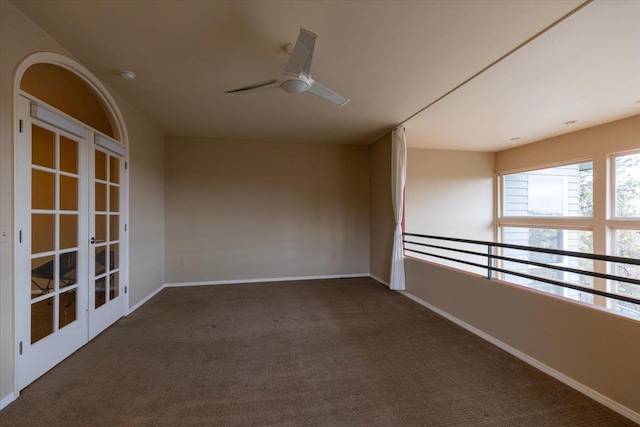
(114, 170)
(100, 297)
(101, 197)
(43, 233)
(68, 271)
(43, 194)
(43, 147)
(68, 231)
(54, 231)
(68, 155)
(67, 308)
(114, 231)
(101, 262)
(107, 227)
(101, 165)
(41, 319)
(114, 193)
(101, 228)
(68, 193)
(41, 275)
(115, 256)
(113, 286)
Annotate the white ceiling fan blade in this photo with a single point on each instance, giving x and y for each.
(300, 60)
(325, 93)
(269, 84)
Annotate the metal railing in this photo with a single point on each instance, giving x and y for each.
(489, 253)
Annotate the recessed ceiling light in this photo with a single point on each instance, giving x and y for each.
(570, 122)
(515, 138)
(127, 75)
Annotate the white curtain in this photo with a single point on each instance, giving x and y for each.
(398, 178)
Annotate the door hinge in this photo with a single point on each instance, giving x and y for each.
(126, 165)
(126, 289)
(125, 227)
(20, 237)
(20, 347)
(20, 125)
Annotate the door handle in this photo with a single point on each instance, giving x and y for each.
(94, 241)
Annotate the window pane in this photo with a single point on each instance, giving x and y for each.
(68, 271)
(43, 148)
(68, 193)
(114, 193)
(568, 240)
(101, 228)
(68, 231)
(100, 292)
(114, 256)
(627, 244)
(101, 261)
(627, 178)
(560, 191)
(42, 276)
(68, 155)
(43, 233)
(67, 308)
(114, 170)
(43, 190)
(101, 165)
(114, 283)
(101, 197)
(41, 319)
(114, 227)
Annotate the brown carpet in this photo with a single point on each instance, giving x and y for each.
(344, 352)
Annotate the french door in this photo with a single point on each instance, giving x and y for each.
(69, 199)
(105, 229)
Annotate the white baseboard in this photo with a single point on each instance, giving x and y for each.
(270, 279)
(234, 282)
(384, 282)
(7, 400)
(145, 299)
(612, 404)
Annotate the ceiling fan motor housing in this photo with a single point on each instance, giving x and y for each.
(296, 84)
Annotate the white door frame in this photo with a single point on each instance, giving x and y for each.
(120, 132)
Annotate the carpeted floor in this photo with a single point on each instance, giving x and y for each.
(344, 352)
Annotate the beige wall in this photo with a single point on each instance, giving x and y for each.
(240, 210)
(382, 222)
(146, 204)
(618, 136)
(449, 194)
(19, 37)
(595, 348)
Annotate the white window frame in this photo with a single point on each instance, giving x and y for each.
(566, 223)
(614, 222)
(602, 224)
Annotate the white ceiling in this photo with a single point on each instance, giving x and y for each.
(392, 58)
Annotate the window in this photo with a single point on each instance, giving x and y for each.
(627, 186)
(570, 240)
(553, 208)
(559, 191)
(627, 244)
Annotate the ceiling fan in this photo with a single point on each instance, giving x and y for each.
(296, 76)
